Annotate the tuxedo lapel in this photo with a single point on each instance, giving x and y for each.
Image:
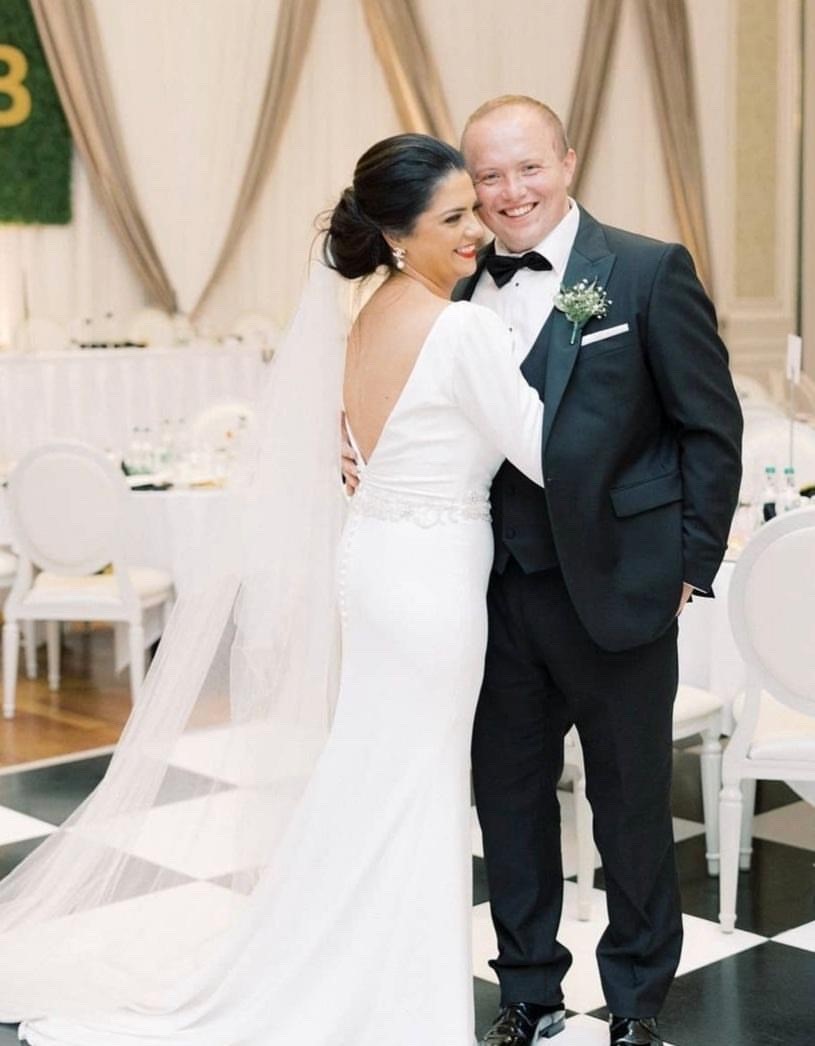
(589, 260)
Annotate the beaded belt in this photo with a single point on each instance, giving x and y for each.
(423, 511)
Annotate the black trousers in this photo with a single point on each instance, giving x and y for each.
(544, 673)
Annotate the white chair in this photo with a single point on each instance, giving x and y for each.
(8, 569)
(8, 572)
(152, 327)
(40, 334)
(574, 772)
(698, 711)
(772, 613)
(68, 506)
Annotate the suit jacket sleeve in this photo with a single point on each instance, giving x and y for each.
(688, 361)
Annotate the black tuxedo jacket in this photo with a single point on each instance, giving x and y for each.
(641, 441)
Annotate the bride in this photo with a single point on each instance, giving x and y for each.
(316, 887)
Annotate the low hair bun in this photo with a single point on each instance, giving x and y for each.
(394, 182)
(354, 245)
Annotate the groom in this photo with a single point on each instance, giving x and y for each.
(641, 459)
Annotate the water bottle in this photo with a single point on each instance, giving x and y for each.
(133, 454)
(790, 498)
(166, 449)
(769, 496)
(148, 452)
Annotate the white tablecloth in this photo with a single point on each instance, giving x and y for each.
(169, 528)
(165, 528)
(708, 656)
(99, 395)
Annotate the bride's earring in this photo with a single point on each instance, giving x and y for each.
(398, 257)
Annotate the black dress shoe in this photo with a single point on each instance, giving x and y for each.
(523, 1024)
(634, 1031)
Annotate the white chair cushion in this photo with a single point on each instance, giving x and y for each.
(8, 567)
(97, 588)
(692, 703)
(781, 732)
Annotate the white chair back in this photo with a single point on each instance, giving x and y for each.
(8, 568)
(772, 609)
(67, 506)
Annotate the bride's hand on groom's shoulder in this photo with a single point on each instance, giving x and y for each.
(348, 459)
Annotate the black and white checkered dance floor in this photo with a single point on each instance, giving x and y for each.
(755, 987)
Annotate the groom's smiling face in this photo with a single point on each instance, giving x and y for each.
(522, 174)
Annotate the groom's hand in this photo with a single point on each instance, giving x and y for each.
(348, 460)
(687, 592)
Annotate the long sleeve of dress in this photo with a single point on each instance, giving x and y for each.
(490, 389)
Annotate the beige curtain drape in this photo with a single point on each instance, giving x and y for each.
(407, 60)
(70, 39)
(599, 36)
(294, 24)
(668, 44)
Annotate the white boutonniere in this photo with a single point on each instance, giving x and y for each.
(581, 303)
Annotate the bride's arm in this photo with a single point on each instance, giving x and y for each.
(490, 389)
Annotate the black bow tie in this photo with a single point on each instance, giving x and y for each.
(502, 267)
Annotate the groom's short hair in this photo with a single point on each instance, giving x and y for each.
(506, 100)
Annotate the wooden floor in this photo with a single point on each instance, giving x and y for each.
(87, 712)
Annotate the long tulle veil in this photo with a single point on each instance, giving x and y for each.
(156, 872)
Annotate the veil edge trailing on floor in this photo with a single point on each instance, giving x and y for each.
(234, 713)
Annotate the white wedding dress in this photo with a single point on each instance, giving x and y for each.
(359, 933)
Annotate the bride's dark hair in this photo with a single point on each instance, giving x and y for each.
(393, 183)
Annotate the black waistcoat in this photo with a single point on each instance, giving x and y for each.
(520, 515)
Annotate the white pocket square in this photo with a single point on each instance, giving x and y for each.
(609, 332)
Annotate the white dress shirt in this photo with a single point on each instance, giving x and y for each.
(525, 302)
